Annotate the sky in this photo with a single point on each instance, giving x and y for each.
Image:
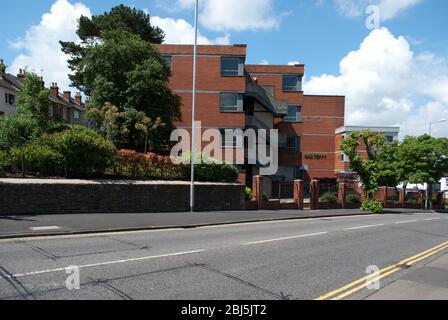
(393, 70)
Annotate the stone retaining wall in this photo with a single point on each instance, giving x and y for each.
(27, 196)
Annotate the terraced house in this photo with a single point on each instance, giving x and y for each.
(62, 106)
(234, 95)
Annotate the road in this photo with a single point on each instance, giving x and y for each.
(297, 259)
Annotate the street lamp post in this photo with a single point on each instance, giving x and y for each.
(434, 122)
(193, 108)
(427, 186)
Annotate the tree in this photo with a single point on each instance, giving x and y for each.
(423, 159)
(15, 131)
(389, 170)
(366, 168)
(117, 63)
(127, 129)
(33, 100)
(90, 31)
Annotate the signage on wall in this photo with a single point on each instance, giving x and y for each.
(316, 156)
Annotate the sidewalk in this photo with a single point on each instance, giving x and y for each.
(40, 225)
(429, 282)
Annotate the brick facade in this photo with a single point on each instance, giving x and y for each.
(309, 144)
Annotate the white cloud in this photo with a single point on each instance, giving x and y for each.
(385, 83)
(388, 8)
(264, 62)
(293, 63)
(181, 32)
(40, 46)
(236, 15)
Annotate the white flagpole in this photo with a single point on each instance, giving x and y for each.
(193, 108)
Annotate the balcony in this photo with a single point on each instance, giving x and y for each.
(253, 123)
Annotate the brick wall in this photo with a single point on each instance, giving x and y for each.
(56, 197)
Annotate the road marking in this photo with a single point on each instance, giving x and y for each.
(286, 238)
(402, 222)
(432, 219)
(346, 294)
(339, 293)
(33, 273)
(45, 228)
(365, 227)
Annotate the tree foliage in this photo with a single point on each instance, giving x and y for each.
(33, 100)
(367, 168)
(117, 63)
(15, 131)
(127, 129)
(422, 159)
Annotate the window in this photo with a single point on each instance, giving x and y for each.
(344, 157)
(168, 60)
(294, 114)
(231, 102)
(64, 113)
(10, 98)
(232, 66)
(292, 83)
(389, 139)
(293, 144)
(76, 114)
(50, 111)
(2, 113)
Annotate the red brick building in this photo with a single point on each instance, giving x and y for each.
(232, 94)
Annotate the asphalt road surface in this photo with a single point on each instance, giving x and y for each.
(298, 259)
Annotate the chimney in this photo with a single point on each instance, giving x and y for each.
(2, 68)
(68, 96)
(54, 89)
(78, 98)
(21, 75)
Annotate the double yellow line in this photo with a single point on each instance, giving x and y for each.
(361, 283)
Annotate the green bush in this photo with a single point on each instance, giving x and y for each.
(328, 198)
(84, 151)
(76, 152)
(211, 170)
(216, 172)
(265, 196)
(16, 131)
(372, 206)
(353, 198)
(37, 157)
(58, 127)
(248, 193)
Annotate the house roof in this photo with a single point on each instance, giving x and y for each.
(14, 83)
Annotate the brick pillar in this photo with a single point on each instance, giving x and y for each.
(441, 200)
(402, 197)
(242, 177)
(314, 197)
(383, 195)
(421, 199)
(298, 193)
(341, 194)
(257, 191)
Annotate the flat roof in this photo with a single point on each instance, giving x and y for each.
(373, 128)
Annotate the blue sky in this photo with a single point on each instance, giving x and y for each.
(318, 33)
